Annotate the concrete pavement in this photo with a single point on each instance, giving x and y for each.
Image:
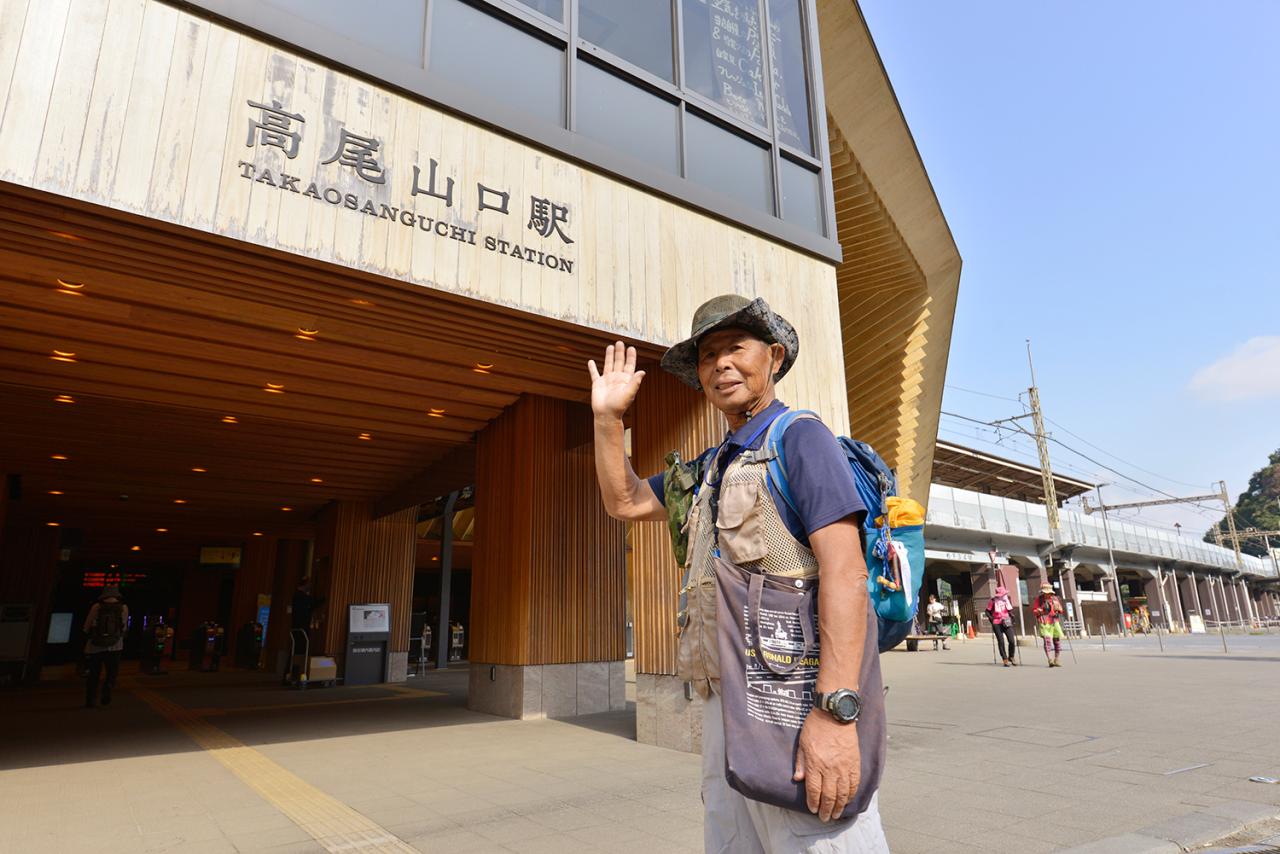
(1128, 747)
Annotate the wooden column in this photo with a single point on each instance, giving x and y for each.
(360, 558)
(28, 572)
(290, 568)
(668, 415)
(548, 579)
(255, 576)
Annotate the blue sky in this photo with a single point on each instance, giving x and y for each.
(1111, 172)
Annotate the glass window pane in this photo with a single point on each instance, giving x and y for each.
(723, 58)
(393, 26)
(497, 59)
(553, 9)
(790, 87)
(628, 118)
(638, 31)
(726, 162)
(801, 195)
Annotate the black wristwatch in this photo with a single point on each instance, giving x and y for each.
(844, 705)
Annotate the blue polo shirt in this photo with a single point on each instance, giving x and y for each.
(818, 473)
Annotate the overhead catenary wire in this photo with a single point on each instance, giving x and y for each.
(1017, 428)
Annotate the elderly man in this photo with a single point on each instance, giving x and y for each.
(738, 350)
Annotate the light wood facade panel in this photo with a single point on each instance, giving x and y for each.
(144, 107)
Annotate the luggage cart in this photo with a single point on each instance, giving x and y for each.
(306, 669)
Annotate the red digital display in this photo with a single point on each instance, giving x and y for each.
(112, 578)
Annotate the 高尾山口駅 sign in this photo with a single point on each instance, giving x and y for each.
(273, 126)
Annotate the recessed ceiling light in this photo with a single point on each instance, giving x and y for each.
(58, 457)
(435, 413)
(361, 302)
(482, 368)
(230, 419)
(435, 558)
(365, 436)
(55, 492)
(317, 480)
(274, 388)
(179, 501)
(65, 286)
(64, 398)
(135, 548)
(305, 334)
(287, 509)
(199, 469)
(65, 235)
(257, 533)
(162, 530)
(53, 524)
(63, 356)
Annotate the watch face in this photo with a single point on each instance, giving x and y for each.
(846, 707)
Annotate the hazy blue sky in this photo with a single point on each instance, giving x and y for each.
(1111, 172)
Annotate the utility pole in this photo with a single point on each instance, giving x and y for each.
(1042, 448)
(1231, 524)
(1111, 556)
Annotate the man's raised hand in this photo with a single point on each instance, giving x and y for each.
(614, 388)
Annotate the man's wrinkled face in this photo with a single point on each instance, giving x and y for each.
(735, 368)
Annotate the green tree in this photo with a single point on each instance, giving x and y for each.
(1256, 507)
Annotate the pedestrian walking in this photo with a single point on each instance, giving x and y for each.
(934, 612)
(736, 521)
(1048, 610)
(105, 627)
(1000, 611)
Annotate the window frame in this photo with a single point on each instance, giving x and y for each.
(335, 50)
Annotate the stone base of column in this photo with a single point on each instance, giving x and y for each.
(664, 716)
(398, 666)
(547, 690)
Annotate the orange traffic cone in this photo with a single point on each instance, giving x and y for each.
(972, 634)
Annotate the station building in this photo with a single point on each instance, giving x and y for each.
(296, 290)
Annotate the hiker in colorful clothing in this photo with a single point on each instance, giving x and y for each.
(1000, 612)
(1048, 610)
(105, 628)
(739, 348)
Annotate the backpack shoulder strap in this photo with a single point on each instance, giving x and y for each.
(776, 465)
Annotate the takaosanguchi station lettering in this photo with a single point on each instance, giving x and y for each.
(275, 127)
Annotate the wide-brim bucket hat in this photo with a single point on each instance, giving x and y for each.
(1046, 588)
(731, 311)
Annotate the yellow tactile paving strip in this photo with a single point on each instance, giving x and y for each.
(398, 694)
(333, 824)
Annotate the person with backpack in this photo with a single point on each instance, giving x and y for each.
(1048, 610)
(105, 629)
(795, 769)
(1000, 612)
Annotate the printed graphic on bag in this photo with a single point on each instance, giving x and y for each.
(779, 700)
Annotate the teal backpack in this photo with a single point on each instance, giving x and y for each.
(894, 586)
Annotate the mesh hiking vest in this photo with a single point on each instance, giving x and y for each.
(752, 535)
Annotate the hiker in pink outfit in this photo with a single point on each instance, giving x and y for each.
(1000, 610)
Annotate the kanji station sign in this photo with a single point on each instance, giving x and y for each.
(460, 205)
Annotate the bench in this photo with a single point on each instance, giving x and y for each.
(913, 641)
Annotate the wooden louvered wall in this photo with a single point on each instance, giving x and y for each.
(895, 342)
(290, 566)
(548, 581)
(668, 416)
(363, 559)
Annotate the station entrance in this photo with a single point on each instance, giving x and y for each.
(211, 425)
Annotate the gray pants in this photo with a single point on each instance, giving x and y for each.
(735, 824)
